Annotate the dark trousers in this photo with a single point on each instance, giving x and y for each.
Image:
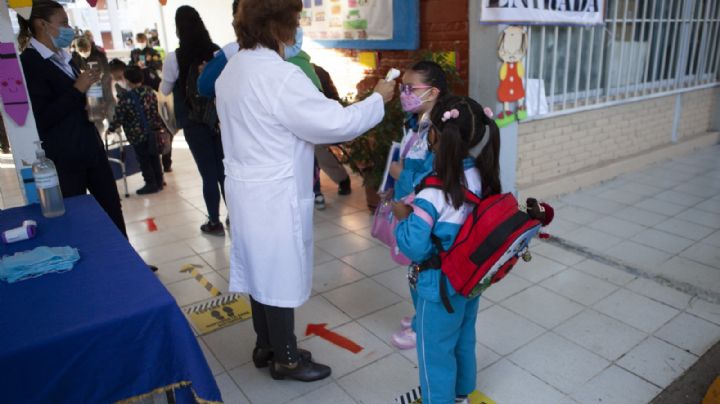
(149, 164)
(206, 148)
(167, 160)
(100, 182)
(275, 328)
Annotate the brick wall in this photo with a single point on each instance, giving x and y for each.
(443, 27)
(555, 147)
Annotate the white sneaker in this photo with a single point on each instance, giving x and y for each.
(404, 339)
(319, 202)
(462, 400)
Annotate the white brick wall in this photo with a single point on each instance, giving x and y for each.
(556, 147)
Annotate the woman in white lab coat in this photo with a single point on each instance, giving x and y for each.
(271, 115)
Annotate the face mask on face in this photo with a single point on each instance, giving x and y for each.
(294, 50)
(84, 55)
(64, 38)
(412, 102)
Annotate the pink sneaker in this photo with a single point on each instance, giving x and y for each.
(404, 339)
(406, 322)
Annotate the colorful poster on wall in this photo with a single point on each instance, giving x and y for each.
(543, 12)
(348, 19)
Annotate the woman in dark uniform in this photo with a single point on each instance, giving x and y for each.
(57, 92)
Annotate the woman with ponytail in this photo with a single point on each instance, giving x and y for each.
(57, 92)
(466, 145)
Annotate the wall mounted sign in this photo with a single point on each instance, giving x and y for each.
(543, 12)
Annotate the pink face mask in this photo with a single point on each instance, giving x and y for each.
(410, 101)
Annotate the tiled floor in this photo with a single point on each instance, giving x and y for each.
(560, 329)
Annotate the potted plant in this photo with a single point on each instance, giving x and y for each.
(367, 154)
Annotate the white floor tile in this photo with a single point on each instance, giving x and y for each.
(260, 388)
(215, 367)
(592, 239)
(657, 361)
(701, 217)
(640, 216)
(317, 310)
(206, 243)
(636, 254)
(616, 386)
(662, 241)
(341, 360)
(166, 253)
(704, 309)
(691, 333)
(559, 362)
(506, 383)
(504, 331)
(663, 294)
(713, 239)
(538, 268)
(355, 221)
(232, 345)
(660, 206)
(604, 205)
(622, 196)
(218, 259)
(703, 253)
(557, 254)
(330, 393)
(635, 310)
(710, 205)
(507, 287)
(333, 274)
(617, 227)
(321, 257)
(395, 280)
(141, 242)
(344, 245)
(361, 298)
(371, 262)
(601, 334)
(578, 286)
(692, 272)
(231, 393)
(683, 228)
(382, 381)
(605, 272)
(542, 306)
(325, 230)
(577, 214)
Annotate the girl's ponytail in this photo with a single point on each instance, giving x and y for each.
(24, 34)
(488, 161)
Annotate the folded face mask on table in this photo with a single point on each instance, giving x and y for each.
(37, 262)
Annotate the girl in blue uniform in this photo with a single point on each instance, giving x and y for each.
(466, 145)
(423, 86)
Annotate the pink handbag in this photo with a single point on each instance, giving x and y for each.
(383, 229)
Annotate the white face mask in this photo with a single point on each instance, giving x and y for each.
(84, 55)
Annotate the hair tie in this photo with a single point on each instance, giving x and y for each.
(452, 114)
(488, 112)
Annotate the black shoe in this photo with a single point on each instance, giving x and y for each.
(304, 371)
(344, 187)
(147, 189)
(153, 268)
(213, 228)
(227, 222)
(167, 170)
(263, 356)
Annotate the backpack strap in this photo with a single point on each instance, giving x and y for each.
(433, 181)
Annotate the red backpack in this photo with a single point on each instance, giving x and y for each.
(490, 241)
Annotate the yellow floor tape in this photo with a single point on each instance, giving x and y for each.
(477, 397)
(411, 397)
(218, 312)
(713, 394)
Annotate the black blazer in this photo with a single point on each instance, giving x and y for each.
(69, 138)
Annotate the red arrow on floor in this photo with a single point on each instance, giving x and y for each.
(151, 226)
(321, 331)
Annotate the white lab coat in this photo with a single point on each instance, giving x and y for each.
(270, 116)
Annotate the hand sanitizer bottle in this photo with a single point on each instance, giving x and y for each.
(47, 184)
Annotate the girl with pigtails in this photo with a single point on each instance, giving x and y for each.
(466, 145)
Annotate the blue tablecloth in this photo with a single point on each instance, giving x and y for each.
(107, 330)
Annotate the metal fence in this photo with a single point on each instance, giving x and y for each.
(645, 48)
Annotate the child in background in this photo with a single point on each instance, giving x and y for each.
(137, 112)
(466, 156)
(423, 85)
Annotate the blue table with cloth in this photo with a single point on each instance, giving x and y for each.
(105, 331)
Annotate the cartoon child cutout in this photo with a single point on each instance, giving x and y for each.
(512, 47)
